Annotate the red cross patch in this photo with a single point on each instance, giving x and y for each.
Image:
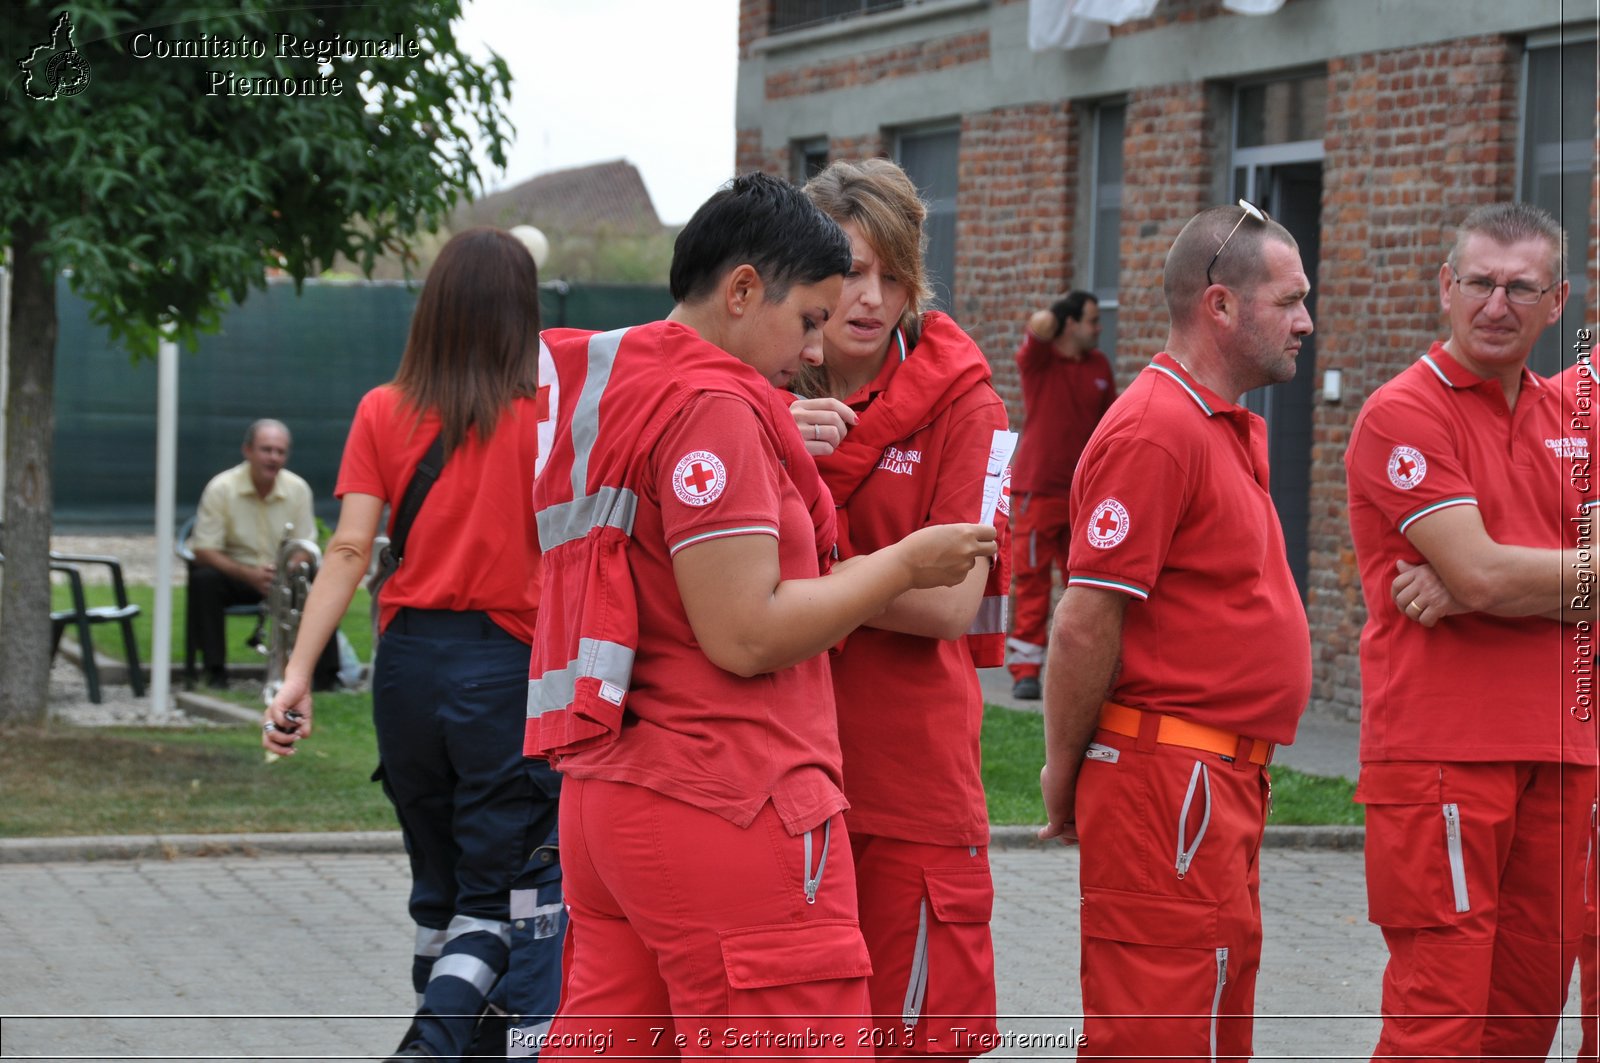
(1004, 505)
(1108, 525)
(699, 478)
(1407, 467)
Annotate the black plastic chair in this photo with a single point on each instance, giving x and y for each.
(181, 547)
(83, 617)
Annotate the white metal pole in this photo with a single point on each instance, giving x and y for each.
(166, 482)
(5, 352)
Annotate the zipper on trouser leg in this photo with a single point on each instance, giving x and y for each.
(1199, 776)
(813, 883)
(1458, 863)
(1588, 853)
(917, 984)
(1216, 998)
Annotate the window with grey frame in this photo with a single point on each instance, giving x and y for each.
(1558, 115)
(930, 158)
(810, 157)
(1105, 217)
(798, 14)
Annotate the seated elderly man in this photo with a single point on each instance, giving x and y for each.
(245, 512)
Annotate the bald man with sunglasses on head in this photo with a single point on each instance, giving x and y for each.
(1180, 656)
(1477, 761)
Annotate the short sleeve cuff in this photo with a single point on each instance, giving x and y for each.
(1105, 583)
(1434, 507)
(720, 533)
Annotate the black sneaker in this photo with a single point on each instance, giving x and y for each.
(1026, 688)
(217, 680)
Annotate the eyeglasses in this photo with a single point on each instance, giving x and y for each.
(1520, 292)
(1250, 211)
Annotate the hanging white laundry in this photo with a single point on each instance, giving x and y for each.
(1115, 12)
(1051, 25)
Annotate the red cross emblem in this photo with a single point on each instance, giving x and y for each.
(1407, 467)
(1108, 526)
(699, 479)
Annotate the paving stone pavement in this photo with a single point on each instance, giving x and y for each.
(306, 956)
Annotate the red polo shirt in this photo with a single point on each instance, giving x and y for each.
(1064, 400)
(1475, 687)
(474, 544)
(694, 732)
(1171, 507)
(910, 708)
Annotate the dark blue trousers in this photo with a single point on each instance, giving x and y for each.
(449, 704)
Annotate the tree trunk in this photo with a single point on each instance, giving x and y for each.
(30, 436)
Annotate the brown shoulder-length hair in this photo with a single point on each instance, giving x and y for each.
(473, 347)
(876, 195)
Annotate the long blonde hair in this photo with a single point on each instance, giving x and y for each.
(877, 196)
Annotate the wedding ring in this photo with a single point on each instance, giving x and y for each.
(269, 727)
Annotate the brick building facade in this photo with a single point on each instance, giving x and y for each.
(1369, 128)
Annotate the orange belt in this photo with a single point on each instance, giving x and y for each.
(1171, 731)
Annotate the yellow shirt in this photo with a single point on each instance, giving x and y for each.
(234, 519)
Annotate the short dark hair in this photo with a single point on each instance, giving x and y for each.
(473, 347)
(767, 223)
(1071, 306)
(1511, 223)
(1241, 267)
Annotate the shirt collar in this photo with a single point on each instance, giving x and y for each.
(247, 486)
(1452, 374)
(880, 383)
(1209, 401)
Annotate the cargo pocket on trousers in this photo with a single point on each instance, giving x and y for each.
(796, 968)
(1149, 953)
(957, 966)
(1416, 859)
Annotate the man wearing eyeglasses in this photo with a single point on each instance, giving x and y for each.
(1179, 656)
(1477, 760)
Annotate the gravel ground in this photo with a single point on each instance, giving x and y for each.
(69, 696)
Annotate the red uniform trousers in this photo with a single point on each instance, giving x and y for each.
(1039, 540)
(1589, 958)
(695, 938)
(1474, 874)
(925, 913)
(1171, 910)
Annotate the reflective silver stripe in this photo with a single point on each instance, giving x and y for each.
(586, 413)
(1200, 774)
(1588, 855)
(993, 614)
(917, 984)
(523, 903)
(1216, 998)
(469, 969)
(545, 923)
(466, 924)
(613, 507)
(1025, 652)
(429, 942)
(609, 662)
(1458, 863)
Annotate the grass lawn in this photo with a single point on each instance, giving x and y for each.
(357, 623)
(1013, 752)
(63, 780)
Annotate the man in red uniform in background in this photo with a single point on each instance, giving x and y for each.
(1179, 656)
(1477, 761)
(1067, 386)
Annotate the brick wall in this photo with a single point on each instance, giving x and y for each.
(1017, 173)
(917, 57)
(754, 18)
(1167, 153)
(1401, 170)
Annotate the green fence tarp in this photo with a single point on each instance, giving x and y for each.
(304, 359)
